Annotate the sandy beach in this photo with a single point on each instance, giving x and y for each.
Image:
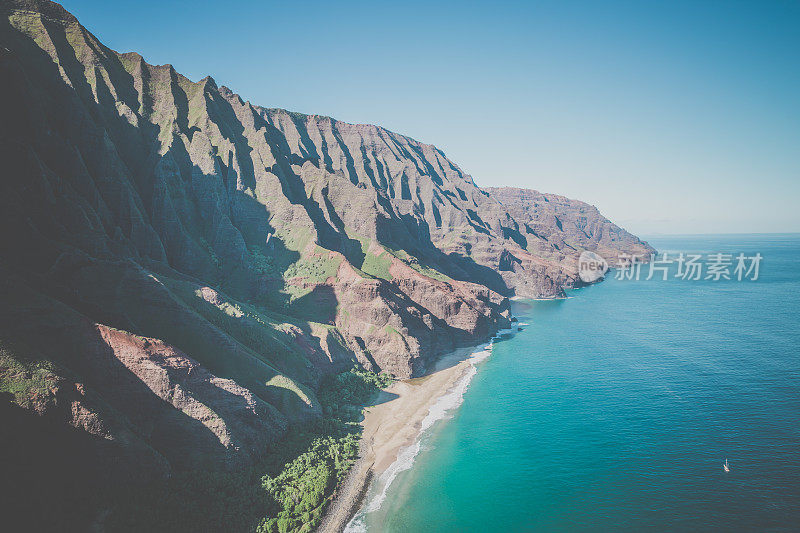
(391, 425)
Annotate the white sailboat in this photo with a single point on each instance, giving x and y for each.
(725, 466)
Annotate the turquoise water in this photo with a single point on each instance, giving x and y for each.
(615, 409)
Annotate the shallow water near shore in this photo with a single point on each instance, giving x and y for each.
(615, 410)
(440, 406)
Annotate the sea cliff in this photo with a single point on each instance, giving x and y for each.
(184, 271)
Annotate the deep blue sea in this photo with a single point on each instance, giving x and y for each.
(615, 409)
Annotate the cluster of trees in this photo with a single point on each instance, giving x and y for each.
(306, 484)
(302, 489)
(354, 389)
(287, 492)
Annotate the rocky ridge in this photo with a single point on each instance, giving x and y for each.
(569, 225)
(188, 266)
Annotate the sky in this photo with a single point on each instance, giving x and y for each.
(670, 117)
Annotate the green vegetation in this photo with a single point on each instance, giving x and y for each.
(265, 333)
(373, 264)
(263, 264)
(295, 239)
(25, 379)
(302, 489)
(286, 493)
(414, 263)
(340, 393)
(297, 279)
(283, 382)
(315, 268)
(376, 265)
(389, 329)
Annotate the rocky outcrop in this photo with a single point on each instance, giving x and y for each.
(197, 264)
(568, 225)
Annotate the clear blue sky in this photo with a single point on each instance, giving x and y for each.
(673, 117)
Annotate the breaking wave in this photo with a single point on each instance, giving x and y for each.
(441, 409)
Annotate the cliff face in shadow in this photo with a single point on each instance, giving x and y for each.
(182, 268)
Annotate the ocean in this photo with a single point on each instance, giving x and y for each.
(616, 408)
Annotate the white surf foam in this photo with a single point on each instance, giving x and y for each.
(446, 403)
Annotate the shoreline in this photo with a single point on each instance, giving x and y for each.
(392, 424)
